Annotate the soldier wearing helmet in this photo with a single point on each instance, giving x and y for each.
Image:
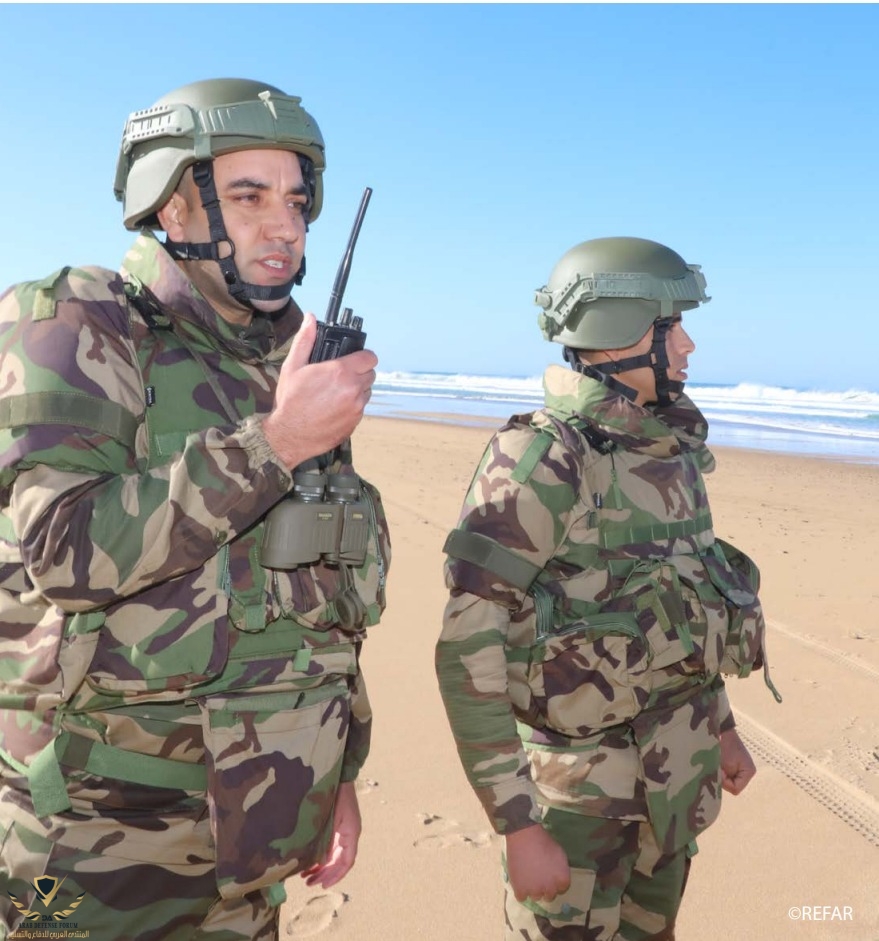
(181, 724)
(593, 613)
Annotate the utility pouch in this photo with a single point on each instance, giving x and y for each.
(370, 576)
(273, 766)
(589, 674)
(737, 578)
(654, 594)
(137, 654)
(679, 752)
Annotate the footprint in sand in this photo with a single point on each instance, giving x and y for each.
(446, 833)
(315, 915)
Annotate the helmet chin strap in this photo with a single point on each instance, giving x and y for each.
(602, 372)
(659, 351)
(656, 359)
(241, 291)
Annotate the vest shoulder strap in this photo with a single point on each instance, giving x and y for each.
(532, 456)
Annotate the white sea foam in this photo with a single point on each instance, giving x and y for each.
(749, 397)
(854, 403)
(745, 414)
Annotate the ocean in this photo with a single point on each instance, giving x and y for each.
(840, 425)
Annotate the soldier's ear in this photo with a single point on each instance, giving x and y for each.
(173, 216)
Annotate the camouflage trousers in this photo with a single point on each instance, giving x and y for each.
(622, 887)
(142, 873)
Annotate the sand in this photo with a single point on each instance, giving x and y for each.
(796, 856)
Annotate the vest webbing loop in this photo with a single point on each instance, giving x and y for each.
(69, 408)
(490, 555)
(638, 535)
(533, 455)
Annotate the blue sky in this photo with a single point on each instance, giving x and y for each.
(495, 137)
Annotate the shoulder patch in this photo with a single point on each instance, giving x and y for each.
(40, 299)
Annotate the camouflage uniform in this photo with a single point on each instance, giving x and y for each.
(174, 718)
(591, 613)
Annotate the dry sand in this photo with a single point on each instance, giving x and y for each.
(796, 856)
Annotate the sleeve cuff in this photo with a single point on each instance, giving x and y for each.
(511, 806)
(725, 718)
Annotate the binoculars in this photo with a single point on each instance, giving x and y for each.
(323, 517)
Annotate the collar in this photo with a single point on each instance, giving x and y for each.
(655, 431)
(268, 337)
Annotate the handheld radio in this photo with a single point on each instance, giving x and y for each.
(338, 334)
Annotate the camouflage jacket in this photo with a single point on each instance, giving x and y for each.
(592, 605)
(134, 478)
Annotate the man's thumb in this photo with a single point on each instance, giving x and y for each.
(303, 342)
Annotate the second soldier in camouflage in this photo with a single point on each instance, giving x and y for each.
(592, 612)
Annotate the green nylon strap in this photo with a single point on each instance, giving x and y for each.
(621, 568)
(277, 894)
(253, 598)
(4, 755)
(49, 792)
(543, 609)
(767, 679)
(301, 659)
(490, 555)
(69, 408)
(271, 703)
(246, 606)
(105, 761)
(7, 530)
(531, 458)
(637, 535)
(250, 618)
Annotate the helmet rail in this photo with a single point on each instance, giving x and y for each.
(199, 122)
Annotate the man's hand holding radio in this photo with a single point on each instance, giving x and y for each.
(318, 405)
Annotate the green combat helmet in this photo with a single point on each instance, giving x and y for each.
(190, 127)
(606, 293)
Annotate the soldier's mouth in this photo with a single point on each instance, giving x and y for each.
(277, 266)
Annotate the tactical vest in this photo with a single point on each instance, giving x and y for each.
(256, 628)
(628, 615)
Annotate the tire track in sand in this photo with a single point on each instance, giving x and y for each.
(842, 799)
(831, 653)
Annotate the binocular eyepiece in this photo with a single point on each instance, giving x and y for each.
(323, 517)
